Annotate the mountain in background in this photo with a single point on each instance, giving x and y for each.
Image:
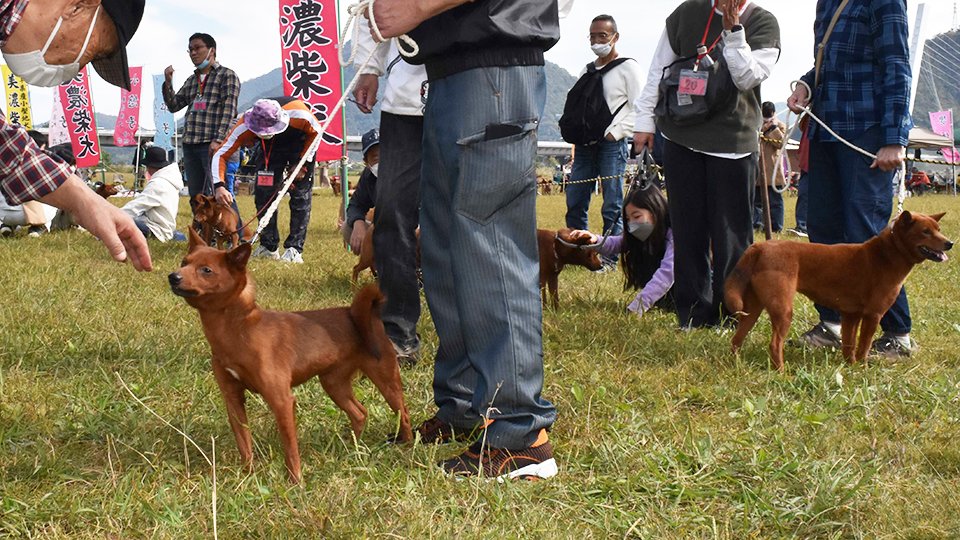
(939, 75)
(559, 82)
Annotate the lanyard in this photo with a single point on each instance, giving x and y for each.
(702, 49)
(202, 84)
(266, 154)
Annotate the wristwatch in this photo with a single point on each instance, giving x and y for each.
(736, 28)
(219, 185)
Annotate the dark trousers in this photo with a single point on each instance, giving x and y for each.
(395, 223)
(803, 186)
(776, 209)
(711, 213)
(300, 192)
(853, 204)
(196, 167)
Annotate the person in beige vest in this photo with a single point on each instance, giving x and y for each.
(772, 133)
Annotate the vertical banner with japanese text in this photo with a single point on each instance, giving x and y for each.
(18, 99)
(162, 117)
(128, 120)
(58, 133)
(311, 69)
(78, 110)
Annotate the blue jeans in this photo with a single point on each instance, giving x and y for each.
(803, 186)
(606, 158)
(776, 209)
(196, 168)
(853, 204)
(142, 225)
(479, 250)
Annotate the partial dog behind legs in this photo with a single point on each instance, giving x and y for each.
(218, 221)
(860, 281)
(270, 352)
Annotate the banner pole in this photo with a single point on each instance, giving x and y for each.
(344, 179)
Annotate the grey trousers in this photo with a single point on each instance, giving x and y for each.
(479, 250)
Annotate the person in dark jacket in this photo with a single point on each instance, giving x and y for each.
(484, 62)
(364, 196)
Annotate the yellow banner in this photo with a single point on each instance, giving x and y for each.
(18, 99)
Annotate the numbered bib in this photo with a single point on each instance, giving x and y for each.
(693, 83)
(265, 178)
(199, 105)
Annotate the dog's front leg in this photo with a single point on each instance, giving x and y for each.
(235, 399)
(868, 327)
(553, 282)
(282, 403)
(848, 335)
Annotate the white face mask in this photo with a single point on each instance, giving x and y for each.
(205, 62)
(374, 168)
(36, 71)
(601, 49)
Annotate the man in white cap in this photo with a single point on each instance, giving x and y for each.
(48, 51)
(283, 130)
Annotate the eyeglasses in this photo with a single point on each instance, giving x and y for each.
(197, 48)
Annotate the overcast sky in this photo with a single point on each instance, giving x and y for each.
(247, 35)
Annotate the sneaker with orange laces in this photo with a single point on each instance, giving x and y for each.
(435, 431)
(531, 463)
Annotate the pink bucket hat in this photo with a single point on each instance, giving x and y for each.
(266, 118)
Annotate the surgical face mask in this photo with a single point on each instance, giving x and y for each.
(32, 67)
(374, 168)
(205, 63)
(601, 49)
(640, 230)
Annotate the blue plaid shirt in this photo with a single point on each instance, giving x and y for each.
(865, 75)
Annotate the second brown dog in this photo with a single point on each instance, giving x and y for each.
(555, 253)
(860, 281)
(270, 352)
(218, 221)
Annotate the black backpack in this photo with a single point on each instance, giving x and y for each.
(586, 115)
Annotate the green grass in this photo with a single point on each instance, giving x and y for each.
(661, 434)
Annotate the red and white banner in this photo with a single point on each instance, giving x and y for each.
(311, 69)
(128, 120)
(58, 133)
(78, 110)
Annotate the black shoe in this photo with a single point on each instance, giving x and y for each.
(820, 336)
(34, 231)
(531, 463)
(891, 347)
(435, 431)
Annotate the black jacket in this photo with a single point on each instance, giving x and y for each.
(487, 33)
(363, 198)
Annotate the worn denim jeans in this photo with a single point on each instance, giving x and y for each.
(196, 168)
(803, 186)
(606, 158)
(852, 203)
(301, 193)
(479, 250)
(776, 209)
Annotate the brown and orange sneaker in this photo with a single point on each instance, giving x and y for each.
(531, 463)
(435, 431)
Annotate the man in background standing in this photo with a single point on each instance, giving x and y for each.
(211, 93)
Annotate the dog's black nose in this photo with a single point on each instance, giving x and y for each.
(175, 278)
(948, 245)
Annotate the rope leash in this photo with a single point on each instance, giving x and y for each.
(355, 11)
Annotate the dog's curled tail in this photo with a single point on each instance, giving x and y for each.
(739, 280)
(365, 313)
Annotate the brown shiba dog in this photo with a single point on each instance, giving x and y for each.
(270, 352)
(555, 253)
(218, 221)
(861, 281)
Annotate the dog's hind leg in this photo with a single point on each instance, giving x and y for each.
(747, 319)
(385, 374)
(233, 396)
(781, 314)
(339, 386)
(282, 403)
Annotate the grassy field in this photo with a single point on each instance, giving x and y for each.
(661, 434)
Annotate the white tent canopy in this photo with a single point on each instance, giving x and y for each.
(924, 138)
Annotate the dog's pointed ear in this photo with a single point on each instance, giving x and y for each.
(239, 255)
(905, 219)
(937, 217)
(195, 240)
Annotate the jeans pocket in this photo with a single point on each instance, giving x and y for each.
(494, 173)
